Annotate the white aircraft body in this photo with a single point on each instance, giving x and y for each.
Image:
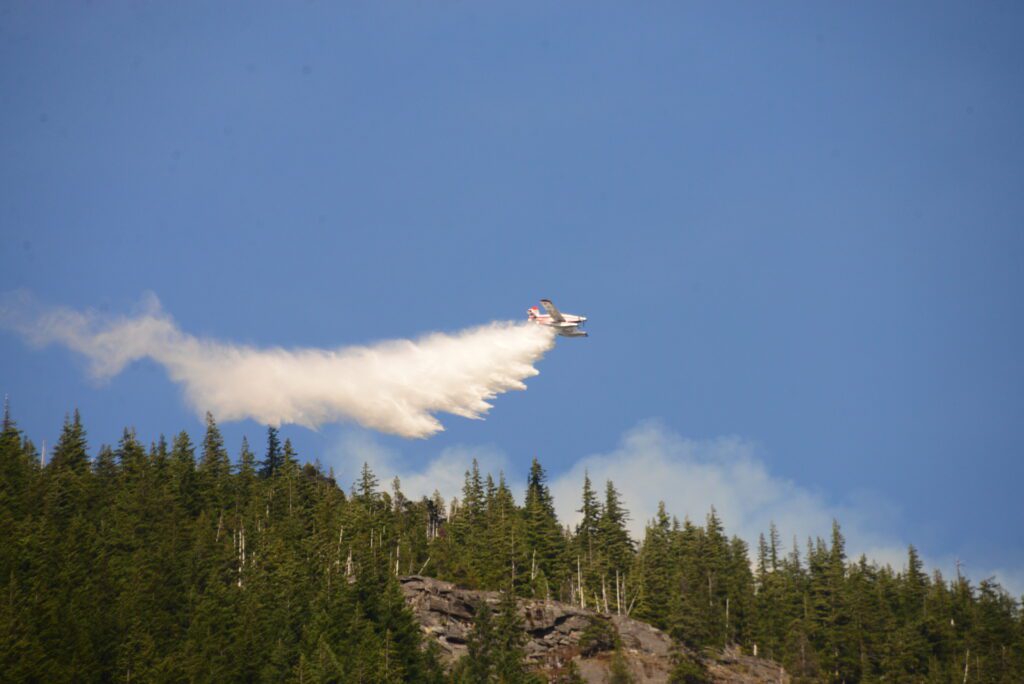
(566, 325)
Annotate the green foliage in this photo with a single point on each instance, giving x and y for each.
(144, 565)
(273, 460)
(495, 647)
(479, 663)
(618, 671)
(510, 635)
(545, 543)
(599, 635)
(688, 670)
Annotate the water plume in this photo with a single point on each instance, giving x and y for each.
(394, 386)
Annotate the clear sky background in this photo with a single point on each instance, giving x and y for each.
(800, 228)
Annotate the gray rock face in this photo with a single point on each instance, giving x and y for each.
(732, 667)
(445, 612)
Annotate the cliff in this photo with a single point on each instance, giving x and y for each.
(555, 630)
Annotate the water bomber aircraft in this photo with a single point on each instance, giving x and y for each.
(566, 325)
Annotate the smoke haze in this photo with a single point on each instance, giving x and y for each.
(394, 386)
(653, 463)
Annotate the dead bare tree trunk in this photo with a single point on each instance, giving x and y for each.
(618, 597)
(629, 608)
(579, 578)
(727, 640)
(241, 553)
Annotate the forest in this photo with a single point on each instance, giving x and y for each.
(174, 561)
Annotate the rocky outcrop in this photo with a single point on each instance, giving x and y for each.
(555, 629)
(733, 667)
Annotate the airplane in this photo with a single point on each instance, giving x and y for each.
(566, 325)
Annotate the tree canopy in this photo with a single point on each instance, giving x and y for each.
(144, 563)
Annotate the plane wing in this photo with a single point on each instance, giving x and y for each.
(552, 311)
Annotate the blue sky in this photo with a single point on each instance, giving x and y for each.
(796, 227)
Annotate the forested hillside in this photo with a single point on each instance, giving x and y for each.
(176, 562)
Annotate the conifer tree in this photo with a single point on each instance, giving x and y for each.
(505, 537)
(214, 468)
(480, 660)
(590, 562)
(245, 482)
(689, 601)
(544, 540)
(160, 456)
(832, 616)
(587, 531)
(468, 562)
(656, 571)
(740, 611)
(510, 636)
(773, 535)
(106, 472)
(70, 452)
(272, 460)
(368, 483)
(138, 566)
(183, 472)
(617, 547)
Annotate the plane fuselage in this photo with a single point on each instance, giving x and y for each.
(566, 325)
